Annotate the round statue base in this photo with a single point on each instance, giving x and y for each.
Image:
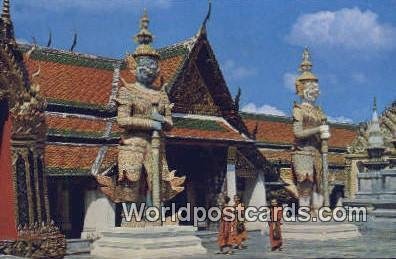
(319, 231)
(148, 242)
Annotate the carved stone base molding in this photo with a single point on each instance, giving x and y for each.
(149, 242)
(36, 241)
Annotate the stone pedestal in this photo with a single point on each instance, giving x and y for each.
(377, 191)
(148, 242)
(99, 214)
(319, 231)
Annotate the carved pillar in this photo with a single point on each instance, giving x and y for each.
(37, 187)
(29, 185)
(348, 175)
(231, 172)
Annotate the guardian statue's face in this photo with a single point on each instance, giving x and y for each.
(311, 91)
(146, 70)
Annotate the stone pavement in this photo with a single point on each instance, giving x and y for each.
(378, 241)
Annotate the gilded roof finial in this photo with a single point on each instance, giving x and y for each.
(144, 38)
(207, 17)
(7, 29)
(6, 11)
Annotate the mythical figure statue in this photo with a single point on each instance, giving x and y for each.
(144, 112)
(311, 134)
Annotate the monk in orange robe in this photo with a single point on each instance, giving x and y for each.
(224, 238)
(275, 233)
(240, 232)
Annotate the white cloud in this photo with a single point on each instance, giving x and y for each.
(359, 78)
(339, 119)
(264, 109)
(234, 71)
(22, 41)
(347, 28)
(289, 80)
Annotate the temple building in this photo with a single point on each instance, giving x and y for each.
(217, 148)
(209, 143)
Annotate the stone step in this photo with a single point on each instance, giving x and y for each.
(320, 231)
(384, 213)
(78, 246)
(150, 242)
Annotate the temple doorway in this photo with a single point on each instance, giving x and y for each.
(204, 168)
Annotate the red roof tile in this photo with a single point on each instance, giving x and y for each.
(281, 132)
(72, 83)
(70, 156)
(271, 131)
(75, 124)
(227, 134)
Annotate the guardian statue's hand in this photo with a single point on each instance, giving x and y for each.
(157, 125)
(157, 117)
(324, 128)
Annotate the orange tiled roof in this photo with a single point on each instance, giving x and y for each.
(75, 124)
(72, 83)
(271, 131)
(279, 130)
(70, 156)
(78, 78)
(341, 137)
(225, 134)
(76, 159)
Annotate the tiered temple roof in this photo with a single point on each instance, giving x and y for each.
(81, 113)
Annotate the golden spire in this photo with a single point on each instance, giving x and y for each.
(144, 38)
(305, 67)
(306, 64)
(6, 11)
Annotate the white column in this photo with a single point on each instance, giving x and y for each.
(231, 172)
(258, 198)
(99, 214)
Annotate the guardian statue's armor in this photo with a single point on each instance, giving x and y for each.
(144, 112)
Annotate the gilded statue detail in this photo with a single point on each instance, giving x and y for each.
(144, 113)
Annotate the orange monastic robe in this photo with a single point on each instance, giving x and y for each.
(224, 237)
(275, 233)
(239, 229)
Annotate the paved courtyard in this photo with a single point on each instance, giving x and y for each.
(378, 241)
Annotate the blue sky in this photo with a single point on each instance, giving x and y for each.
(258, 43)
